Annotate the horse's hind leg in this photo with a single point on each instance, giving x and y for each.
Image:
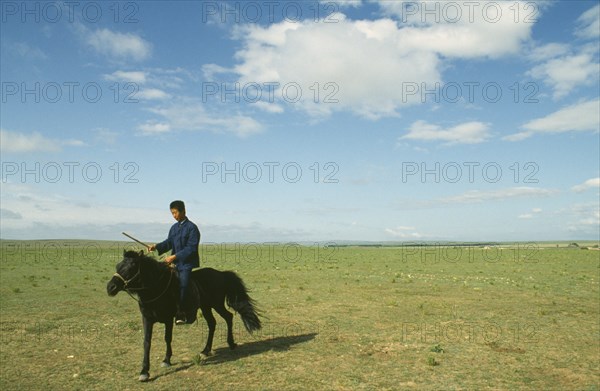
(228, 316)
(168, 338)
(211, 322)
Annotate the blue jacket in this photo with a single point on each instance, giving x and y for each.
(183, 239)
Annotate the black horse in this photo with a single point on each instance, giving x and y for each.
(157, 288)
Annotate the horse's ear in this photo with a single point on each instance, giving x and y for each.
(141, 253)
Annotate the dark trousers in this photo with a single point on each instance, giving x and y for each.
(184, 281)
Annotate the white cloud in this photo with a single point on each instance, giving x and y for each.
(464, 29)
(210, 70)
(180, 112)
(589, 24)
(531, 214)
(105, 136)
(402, 232)
(358, 57)
(548, 51)
(20, 142)
(169, 78)
(465, 133)
(116, 45)
(580, 117)
(593, 183)
(128, 76)
(591, 221)
(151, 83)
(517, 136)
(31, 213)
(16, 142)
(30, 208)
(8, 214)
(342, 74)
(25, 50)
(584, 219)
(564, 68)
(73, 143)
(152, 128)
(268, 107)
(192, 116)
(477, 196)
(340, 4)
(166, 78)
(564, 74)
(151, 94)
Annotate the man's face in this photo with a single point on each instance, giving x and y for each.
(177, 215)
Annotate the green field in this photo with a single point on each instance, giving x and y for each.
(505, 317)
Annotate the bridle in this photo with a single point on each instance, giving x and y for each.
(126, 282)
(126, 289)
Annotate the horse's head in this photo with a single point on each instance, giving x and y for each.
(128, 274)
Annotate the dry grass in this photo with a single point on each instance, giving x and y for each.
(346, 319)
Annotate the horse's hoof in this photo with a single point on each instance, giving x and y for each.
(144, 377)
(165, 364)
(205, 354)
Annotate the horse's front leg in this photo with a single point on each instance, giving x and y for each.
(145, 373)
(168, 338)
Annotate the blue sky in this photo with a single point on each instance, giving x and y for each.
(301, 121)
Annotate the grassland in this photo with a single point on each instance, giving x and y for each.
(519, 316)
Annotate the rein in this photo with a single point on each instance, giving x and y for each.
(126, 282)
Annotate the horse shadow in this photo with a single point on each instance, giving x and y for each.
(184, 366)
(277, 344)
(223, 355)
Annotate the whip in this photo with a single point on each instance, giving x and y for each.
(144, 244)
(135, 240)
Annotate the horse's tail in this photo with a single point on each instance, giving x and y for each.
(236, 295)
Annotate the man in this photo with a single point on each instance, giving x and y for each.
(183, 241)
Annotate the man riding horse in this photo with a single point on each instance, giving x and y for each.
(183, 241)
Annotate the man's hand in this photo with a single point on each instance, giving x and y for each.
(170, 258)
(151, 248)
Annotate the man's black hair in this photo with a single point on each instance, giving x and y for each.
(179, 205)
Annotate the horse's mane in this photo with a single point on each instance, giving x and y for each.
(147, 261)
